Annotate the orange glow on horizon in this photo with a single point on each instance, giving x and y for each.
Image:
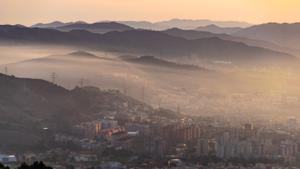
(253, 11)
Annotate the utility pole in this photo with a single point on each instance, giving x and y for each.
(159, 103)
(81, 82)
(124, 86)
(178, 108)
(160, 52)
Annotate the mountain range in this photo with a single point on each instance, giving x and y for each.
(280, 36)
(161, 25)
(142, 42)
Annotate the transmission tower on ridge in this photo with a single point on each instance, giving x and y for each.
(6, 70)
(81, 82)
(53, 77)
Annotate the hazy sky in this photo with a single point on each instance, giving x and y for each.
(254, 11)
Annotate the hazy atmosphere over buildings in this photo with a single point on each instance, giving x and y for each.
(253, 11)
(154, 84)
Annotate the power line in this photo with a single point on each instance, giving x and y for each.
(83, 82)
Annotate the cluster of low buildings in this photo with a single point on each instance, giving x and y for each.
(4, 158)
(156, 140)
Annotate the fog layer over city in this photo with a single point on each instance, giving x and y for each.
(216, 88)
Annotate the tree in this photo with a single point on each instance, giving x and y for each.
(3, 167)
(35, 165)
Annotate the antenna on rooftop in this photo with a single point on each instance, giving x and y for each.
(143, 93)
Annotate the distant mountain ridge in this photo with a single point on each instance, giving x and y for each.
(193, 24)
(143, 25)
(99, 27)
(193, 35)
(161, 25)
(219, 30)
(287, 34)
(54, 24)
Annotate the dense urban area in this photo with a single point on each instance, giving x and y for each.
(147, 140)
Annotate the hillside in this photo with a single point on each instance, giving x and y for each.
(151, 60)
(73, 57)
(29, 105)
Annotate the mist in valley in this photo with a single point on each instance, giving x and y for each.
(219, 88)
